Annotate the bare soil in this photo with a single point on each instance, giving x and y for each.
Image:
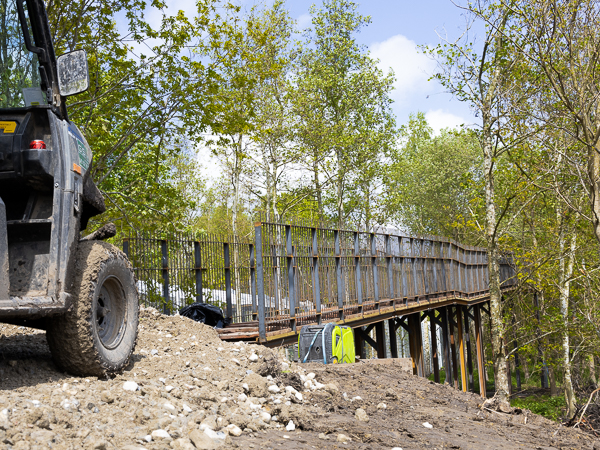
(191, 390)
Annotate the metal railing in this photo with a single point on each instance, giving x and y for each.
(292, 275)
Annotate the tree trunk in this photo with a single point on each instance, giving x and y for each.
(565, 273)
(317, 183)
(498, 332)
(592, 366)
(553, 390)
(340, 190)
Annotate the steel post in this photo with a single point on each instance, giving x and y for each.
(315, 269)
(198, 271)
(260, 284)
(338, 273)
(291, 276)
(165, 275)
(357, 271)
(380, 337)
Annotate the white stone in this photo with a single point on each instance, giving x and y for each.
(162, 434)
(427, 425)
(274, 389)
(148, 438)
(310, 376)
(215, 434)
(224, 400)
(169, 388)
(242, 397)
(290, 426)
(285, 366)
(397, 448)
(274, 419)
(253, 357)
(318, 385)
(298, 396)
(36, 403)
(234, 430)
(290, 390)
(186, 408)
(169, 406)
(237, 361)
(357, 398)
(245, 386)
(265, 416)
(269, 377)
(131, 386)
(381, 406)
(162, 380)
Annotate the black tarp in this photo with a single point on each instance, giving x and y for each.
(205, 313)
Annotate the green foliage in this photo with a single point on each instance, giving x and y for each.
(434, 183)
(552, 408)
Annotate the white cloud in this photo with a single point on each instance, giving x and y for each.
(439, 119)
(411, 67)
(304, 21)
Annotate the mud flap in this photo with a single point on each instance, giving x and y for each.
(4, 282)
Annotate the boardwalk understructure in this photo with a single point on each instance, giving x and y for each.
(290, 276)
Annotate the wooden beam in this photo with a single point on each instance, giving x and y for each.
(412, 344)
(421, 368)
(453, 348)
(359, 345)
(434, 349)
(446, 343)
(366, 338)
(468, 347)
(380, 336)
(461, 347)
(393, 328)
(479, 347)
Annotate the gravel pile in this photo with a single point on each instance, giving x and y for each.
(184, 389)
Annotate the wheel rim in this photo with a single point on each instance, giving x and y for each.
(111, 313)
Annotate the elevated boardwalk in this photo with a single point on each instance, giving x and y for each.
(290, 276)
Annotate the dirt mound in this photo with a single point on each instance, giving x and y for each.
(187, 389)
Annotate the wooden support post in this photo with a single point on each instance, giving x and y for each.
(412, 342)
(453, 347)
(479, 346)
(468, 345)
(461, 346)
(380, 338)
(359, 344)
(421, 367)
(434, 349)
(446, 344)
(392, 328)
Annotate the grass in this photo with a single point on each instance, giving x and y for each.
(550, 407)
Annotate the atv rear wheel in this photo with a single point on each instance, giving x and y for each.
(97, 336)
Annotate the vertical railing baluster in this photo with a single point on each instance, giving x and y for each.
(291, 276)
(390, 269)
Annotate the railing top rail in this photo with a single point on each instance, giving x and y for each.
(396, 234)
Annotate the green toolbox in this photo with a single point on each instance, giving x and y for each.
(329, 344)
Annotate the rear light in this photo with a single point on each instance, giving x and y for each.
(37, 145)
